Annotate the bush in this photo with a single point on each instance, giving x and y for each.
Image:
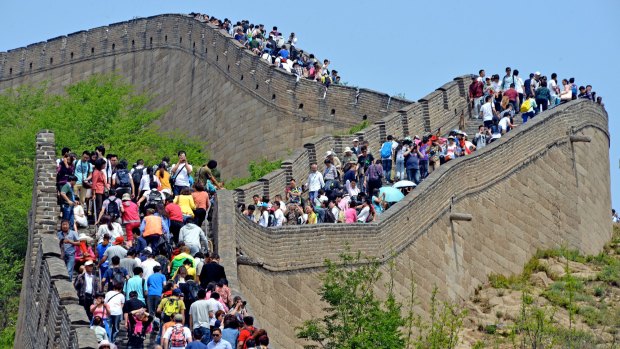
(257, 170)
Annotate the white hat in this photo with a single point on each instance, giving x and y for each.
(537, 73)
(329, 153)
(88, 262)
(355, 140)
(85, 237)
(347, 150)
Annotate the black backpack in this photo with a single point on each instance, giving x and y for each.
(192, 290)
(113, 209)
(329, 217)
(154, 198)
(136, 177)
(123, 179)
(272, 221)
(117, 276)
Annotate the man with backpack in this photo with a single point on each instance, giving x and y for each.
(115, 274)
(112, 206)
(387, 151)
(122, 181)
(136, 283)
(177, 336)
(172, 305)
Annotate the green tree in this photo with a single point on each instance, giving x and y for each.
(355, 317)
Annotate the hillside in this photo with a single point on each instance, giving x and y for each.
(562, 299)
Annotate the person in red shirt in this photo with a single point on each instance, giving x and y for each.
(513, 97)
(476, 93)
(131, 217)
(176, 217)
(246, 332)
(100, 184)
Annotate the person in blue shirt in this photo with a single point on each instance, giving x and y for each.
(101, 248)
(68, 240)
(136, 283)
(155, 287)
(196, 343)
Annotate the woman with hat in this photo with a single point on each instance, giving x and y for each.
(85, 251)
(131, 217)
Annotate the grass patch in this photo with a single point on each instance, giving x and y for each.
(357, 128)
(257, 170)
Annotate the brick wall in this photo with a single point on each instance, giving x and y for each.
(532, 189)
(49, 314)
(212, 87)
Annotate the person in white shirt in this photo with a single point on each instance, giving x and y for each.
(519, 86)
(315, 182)
(214, 305)
(279, 215)
(192, 235)
(487, 111)
(115, 300)
(149, 263)
(554, 90)
(178, 326)
(362, 217)
(334, 209)
(180, 172)
(263, 221)
(504, 123)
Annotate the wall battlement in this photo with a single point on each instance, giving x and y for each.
(49, 314)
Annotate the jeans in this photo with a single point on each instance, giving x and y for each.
(70, 262)
(413, 174)
(423, 169)
(114, 322)
(525, 116)
(193, 249)
(311, 196)
(372, 185)
(387, 169)
(152, 302)
(67, 213)
(206, 335)
(177, 189)
(544, 103)
(400, 169)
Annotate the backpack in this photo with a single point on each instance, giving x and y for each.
(171, 307)
(154, 198)
(272, 221)
(193, 288)
(117, 276)
(525, 107)
(123, 179)
(112, 210)
(329, 217)
(386, 150)
(177, 337)
(136, 177)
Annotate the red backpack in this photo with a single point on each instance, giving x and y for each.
(177, 336)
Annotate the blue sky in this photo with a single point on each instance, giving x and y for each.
(395, 47)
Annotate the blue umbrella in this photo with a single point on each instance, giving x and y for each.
(391, 194)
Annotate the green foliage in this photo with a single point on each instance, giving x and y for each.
(355, 317)
(561, 291)
(101, 110)
(257, 170)
(446, 321)
(357, 128)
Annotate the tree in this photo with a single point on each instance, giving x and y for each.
(354, 316)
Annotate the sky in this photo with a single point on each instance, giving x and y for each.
(397, 47)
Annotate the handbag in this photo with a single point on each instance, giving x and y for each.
(86, 183)
(174, 178)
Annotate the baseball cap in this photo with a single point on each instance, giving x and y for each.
(347, 149)
(178, 317)
(119, 240)
(355, 140)
(537, 73)
(126, 197)
(89, 262)
(177, 292)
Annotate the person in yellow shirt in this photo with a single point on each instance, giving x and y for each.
(178, 260)
(186, 202)
(164, 178)
(311, 215)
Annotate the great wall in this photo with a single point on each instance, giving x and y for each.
(538, 187)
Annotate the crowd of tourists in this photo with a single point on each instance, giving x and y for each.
(136, 250)
(276, 49)
(361, 186)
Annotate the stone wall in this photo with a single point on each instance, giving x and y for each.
(533, 189)
(212, 87)
(49, 314)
